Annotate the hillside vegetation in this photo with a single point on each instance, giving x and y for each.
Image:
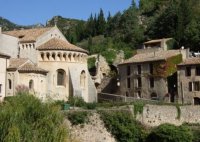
(127, 30)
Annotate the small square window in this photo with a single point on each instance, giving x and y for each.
(128, 83)
(151, 82)
(190, 86)
(198, 71)
(151, 68)
(139, 82)
(188, 71)
(139, 69)
(128, 70)
(196, 86)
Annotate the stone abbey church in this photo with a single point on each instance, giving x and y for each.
(43, 61)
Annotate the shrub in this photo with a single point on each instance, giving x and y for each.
(76, 101)
(170, 133)
(123, 126)
(78, 117)
(91, 62)
(138, 107)
(91, 105)
(25, 118)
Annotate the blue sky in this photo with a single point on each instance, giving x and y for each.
(27, 12)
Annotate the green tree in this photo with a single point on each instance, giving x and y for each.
(101, 23)
(90, 26)
(130, 29)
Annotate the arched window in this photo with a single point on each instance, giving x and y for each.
(9, 83)
(82, 79)
(64, 57)
(54, 56)
(61, 77)
(42, 56)
(48, 56)
(31, 84)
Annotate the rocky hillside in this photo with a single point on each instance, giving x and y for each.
(6, 24)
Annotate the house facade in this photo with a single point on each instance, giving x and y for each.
(189, 81)
(152, 73)
(43, 61)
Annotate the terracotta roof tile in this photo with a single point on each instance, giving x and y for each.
(28, 67)
(17, 62)
(27, 35)
(190, 61)
(152, 56)
(58, 44)
(24, 65)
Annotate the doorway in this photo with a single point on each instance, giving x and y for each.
(172, 87)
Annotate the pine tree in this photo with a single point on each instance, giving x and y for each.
(90, 26)
(101, 23)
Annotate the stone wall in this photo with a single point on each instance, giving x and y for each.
(93, 131)
(154, 115)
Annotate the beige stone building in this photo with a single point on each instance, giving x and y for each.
(4, 63)
(44, 62)
(152, 72)
(189, 81)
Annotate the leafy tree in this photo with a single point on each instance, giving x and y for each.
(130, 30)
(113, 25)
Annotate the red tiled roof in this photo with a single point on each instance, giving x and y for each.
(17, 62)
(58, 44)
(152, 56)
(190, 61)
(27, 35)
(31, 68)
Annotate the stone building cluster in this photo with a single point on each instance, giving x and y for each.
(158, 73)
(44, 62)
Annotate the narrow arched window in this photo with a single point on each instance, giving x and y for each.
(61, 77)
(82, 79)
(31, 84)
(42, 56)
(9, 83)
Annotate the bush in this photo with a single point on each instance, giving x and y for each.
(76, 101)
(123, 126)
(138, 107)
(91, 105)
(24, 118)
(170, 133)
(78, 117)
(91, 62)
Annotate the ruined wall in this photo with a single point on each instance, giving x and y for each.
(154, 115)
